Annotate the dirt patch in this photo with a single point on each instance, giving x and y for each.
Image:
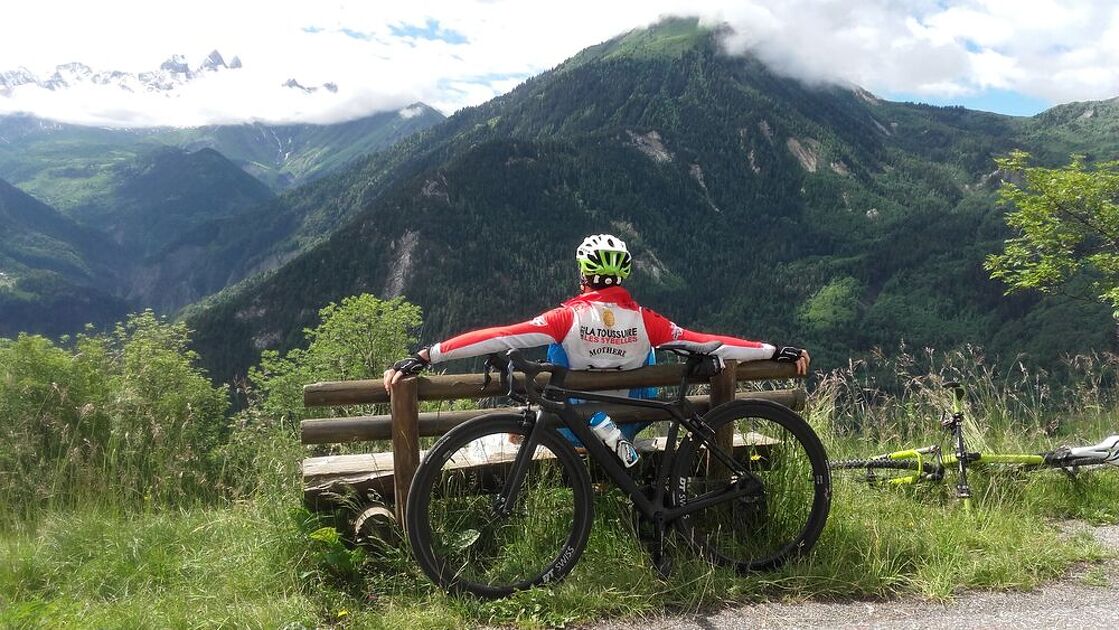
(766, 131)
(880, 127)
(806, 152)
(404, 249)
(651, 145)
(436, 189)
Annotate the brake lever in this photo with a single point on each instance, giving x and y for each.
(511, 384)
(486, 378)
(493, 363)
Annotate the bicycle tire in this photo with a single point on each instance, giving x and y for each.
(761, 530)
(458, 538)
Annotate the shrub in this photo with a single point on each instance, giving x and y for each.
(124, 418)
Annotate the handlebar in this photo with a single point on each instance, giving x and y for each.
(698, 365)
(515, 361)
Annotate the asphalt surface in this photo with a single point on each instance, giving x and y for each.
(1072, 602)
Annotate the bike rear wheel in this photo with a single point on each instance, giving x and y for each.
(464, 542)
(773, 512)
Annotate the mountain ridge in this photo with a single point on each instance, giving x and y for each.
(820, 194)
(150, 197)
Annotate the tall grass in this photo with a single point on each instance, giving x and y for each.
(238, 550)
(121, 420)
(895, 400)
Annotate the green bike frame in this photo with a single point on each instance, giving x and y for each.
(960, 460)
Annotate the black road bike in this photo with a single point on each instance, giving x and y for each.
(504, 501)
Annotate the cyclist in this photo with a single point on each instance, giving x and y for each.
(601, 328)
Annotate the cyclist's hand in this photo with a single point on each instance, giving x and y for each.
(790, 354)
(803, 363)
(408, 366)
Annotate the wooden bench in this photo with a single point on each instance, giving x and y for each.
(386, 476)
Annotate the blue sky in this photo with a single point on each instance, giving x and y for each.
(1010, 56)
(988, 100)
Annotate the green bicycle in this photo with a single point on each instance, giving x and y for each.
(930, 463)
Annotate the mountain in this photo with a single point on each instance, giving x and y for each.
(54, 273)
(1088, 128)
(147, 202)
(172, 74)
(173, 212)
(755, 205)
(63, 164)
(285, 156)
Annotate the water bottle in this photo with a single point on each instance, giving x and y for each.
(612, 437)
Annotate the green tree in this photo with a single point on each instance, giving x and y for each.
(357, 339)
(1066, 221)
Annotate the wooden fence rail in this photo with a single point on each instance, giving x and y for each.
(405, 425)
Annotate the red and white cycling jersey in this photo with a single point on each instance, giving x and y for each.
(602, 329)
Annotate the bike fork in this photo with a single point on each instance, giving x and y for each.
(506, 500)
(963, 490)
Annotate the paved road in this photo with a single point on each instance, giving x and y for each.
(1067, 603)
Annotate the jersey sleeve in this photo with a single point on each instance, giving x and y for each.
(661, 330)
(549, 327)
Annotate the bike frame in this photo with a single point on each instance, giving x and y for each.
(961, 459)
(564, 415)
(934, 470)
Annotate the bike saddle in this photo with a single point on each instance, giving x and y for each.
(1107, 450)
(691, 347)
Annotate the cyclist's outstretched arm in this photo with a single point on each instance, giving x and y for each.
(546, 328)
(550, 327)
(662, 330)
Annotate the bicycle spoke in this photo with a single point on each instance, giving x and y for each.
(472, 545)
(782, 498)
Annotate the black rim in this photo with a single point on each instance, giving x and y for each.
(464, 543)
(788, 488)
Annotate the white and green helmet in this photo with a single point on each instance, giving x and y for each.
(604, 259)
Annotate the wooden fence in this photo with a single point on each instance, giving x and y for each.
(390, 474)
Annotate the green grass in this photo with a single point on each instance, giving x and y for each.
(209, 568)
(255, 564)
(262, 561)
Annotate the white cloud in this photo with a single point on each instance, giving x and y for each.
(410, 112)
(1056, 50)
(381, 59)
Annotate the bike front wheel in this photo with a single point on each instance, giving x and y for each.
(775, 509)
(462, 536)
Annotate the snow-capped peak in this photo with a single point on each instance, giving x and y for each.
(328, 86)
(176, 64)
(214, 61)
(172, 73)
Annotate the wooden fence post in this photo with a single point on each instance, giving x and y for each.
(405, 440)
(723, 385)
